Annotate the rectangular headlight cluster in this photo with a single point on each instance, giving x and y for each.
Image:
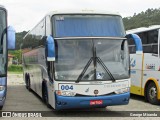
(123, 90)
(65, 93)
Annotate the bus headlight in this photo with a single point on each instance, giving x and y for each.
(123, 90)
(2, 88)
(65, 93)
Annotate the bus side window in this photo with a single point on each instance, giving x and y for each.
(155, 49)
(149, 41)
(132, 46)
(150, 48)
(147, 48)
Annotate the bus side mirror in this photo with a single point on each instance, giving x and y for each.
(138, 42)
(50, 48)
(11, 37)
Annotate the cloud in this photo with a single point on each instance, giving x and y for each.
(24, 14)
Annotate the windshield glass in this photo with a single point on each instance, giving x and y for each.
(2, 42)
(88, 26)
(88, 59)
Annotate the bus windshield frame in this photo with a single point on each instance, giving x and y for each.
(93, 54)
(3, 42)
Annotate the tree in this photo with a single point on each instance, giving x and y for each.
(144, 19)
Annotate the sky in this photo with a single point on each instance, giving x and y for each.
(25, 14)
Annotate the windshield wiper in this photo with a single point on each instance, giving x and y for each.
(84, 70)
(105, 68)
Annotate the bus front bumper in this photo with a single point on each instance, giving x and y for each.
(66, 102)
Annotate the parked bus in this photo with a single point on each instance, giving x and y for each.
(7, 41)
(78, 60)
(145, 65)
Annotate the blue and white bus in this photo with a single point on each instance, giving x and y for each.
(7, 41)
(78, 59)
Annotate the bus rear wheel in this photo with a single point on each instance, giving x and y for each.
(152, 94)
(28, 85)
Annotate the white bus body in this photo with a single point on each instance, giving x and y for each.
(89, 66)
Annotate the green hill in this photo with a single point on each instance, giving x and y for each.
(143, 19)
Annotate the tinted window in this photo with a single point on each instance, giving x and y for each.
(88, 25)
(150, 41)
(149, 37)
(3, 39)
(35, 37)
(132, 47)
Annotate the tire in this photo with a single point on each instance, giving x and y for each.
(26, 80)
(45, 95)
(28, 84)
(152, 94)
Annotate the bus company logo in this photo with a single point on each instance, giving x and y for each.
(87, 90)
(150, 66)
(96, 92)
(132, 62)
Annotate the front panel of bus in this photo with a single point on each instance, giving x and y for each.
(3, 55)
(91, 68)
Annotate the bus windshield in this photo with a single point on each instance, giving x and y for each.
(2, 42)
(88, 26)
(87, 59)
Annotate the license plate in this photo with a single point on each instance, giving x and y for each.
(96, 102)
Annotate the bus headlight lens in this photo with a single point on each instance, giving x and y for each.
(2, 88)
(123, 90)
(65, 93)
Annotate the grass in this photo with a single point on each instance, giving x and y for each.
(15, 69)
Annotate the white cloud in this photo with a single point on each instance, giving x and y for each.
(24, 14)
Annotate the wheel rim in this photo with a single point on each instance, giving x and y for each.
(152, 92)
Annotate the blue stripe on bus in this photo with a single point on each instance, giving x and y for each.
(65, 102)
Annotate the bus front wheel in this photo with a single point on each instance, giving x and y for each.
(152, 93)
(26, 80)
(45, 95)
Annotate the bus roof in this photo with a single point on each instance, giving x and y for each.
(56, 12)
(82, 12)
(143, 29)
